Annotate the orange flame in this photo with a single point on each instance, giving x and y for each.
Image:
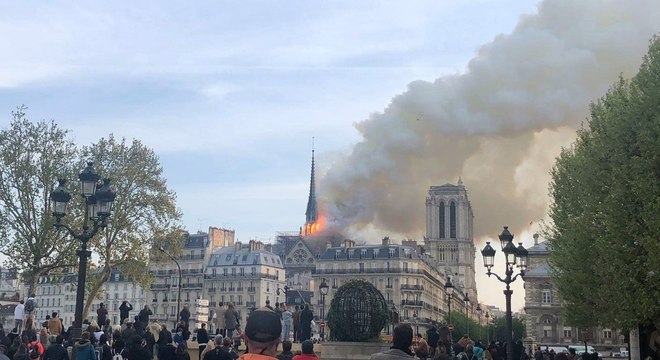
(316, 227)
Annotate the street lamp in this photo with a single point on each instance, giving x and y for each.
(99, 198)
(449, 288)
(487, 328)
(481, 333)
(323, 289)
(178, 295)
(515, 256)
(466, 301)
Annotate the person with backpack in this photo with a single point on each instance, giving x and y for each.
(216, 353)
(84, 349)
(57, 351)
(468, 354)
(30, 305)
(104, 350)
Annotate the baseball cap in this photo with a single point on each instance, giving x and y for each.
(263, 325)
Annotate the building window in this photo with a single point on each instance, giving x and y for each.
(568, 332)
(452, 220)
(442, 220)
(546, 296)
(361, 267)
(607, 334)
(547, 331)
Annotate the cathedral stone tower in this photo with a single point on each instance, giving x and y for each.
(449, 237)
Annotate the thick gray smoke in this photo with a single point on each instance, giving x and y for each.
(499, 125)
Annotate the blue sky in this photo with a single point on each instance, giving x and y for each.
(230, 94)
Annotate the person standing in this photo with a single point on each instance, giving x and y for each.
(307, 348)
(296, 324)
(19, 312)
(30, 306)
(57, 351)
(54, 325)
(306, 317)
(220, 319)
(144, 315)
(184, 315)
(231, 320)
(287, 319)
(101, 315)
(124, 311)
(202, 339)
(402, 337)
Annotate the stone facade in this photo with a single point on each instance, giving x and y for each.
(405, 276)
(449, 235)
(544, 322)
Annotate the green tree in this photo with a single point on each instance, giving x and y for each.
(32, 156)
(606, 207)
(144, 216)
(468, 327)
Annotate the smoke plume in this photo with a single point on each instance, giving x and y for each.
(499, 125)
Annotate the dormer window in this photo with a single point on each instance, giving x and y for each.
(363, 253)
(391, 252)
(350, 253)
(373, 253)
(337, 253)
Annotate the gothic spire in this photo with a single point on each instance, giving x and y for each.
(311, 213)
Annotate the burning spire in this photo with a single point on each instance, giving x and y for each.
(311, 214)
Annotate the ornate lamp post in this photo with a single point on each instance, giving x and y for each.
(449, 288)
(466, 301)
(515, 256)
(178, 295)
(481, 333)
(98, 207)
(323, 289)
(487, 328)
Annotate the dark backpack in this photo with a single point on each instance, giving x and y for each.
(29, 306)
(34, 351)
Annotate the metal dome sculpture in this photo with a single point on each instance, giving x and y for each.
(358, 312)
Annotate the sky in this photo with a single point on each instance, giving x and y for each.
(230, 94)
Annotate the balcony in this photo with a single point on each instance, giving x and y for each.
(240, 276)
(251, 289)
(191, 257)
(369, 271)
(412, 287)
(240, 288)
(160, 286)
(388, 286)
(224, 289)
(231, 289)
(192, 286)
(412, 302)
(212, 290)
(239, 303)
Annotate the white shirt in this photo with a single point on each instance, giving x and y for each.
(18, 312)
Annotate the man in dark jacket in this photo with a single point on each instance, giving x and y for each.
(402, 337)
(306, 317)
(433, 336)
(144, 315)
(57, 351)
(185, 316)
(101, 315)
(124, 311)
(164, 338)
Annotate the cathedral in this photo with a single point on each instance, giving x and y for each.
(449, 237)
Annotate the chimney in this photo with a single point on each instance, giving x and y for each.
(536, 239)
(386, 241)
(269, 248)
(348, 243)
(259, 245)
(238, 245)
(328, 244)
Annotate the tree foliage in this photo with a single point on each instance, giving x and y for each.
(32, 156)
(606, 207)
(477, 331)
(144, 212)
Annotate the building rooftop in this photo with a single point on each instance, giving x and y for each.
(199, 240)
(390, 251)
(539, 271)
(541, 248)
(230, 256)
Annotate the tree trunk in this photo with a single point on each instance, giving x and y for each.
(91, 296)
(32, 288)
